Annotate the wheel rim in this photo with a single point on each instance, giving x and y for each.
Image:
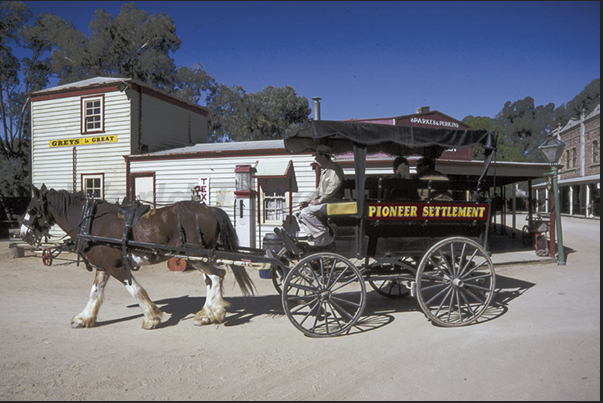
(46, 257)
(455, 282)
(389, 288)
(278, 273)
(324, 295)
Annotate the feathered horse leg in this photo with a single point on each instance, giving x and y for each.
(152, 314)
(87, 318)
(214, 309)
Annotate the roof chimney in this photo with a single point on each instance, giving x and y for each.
(316, 108)
(423, 109)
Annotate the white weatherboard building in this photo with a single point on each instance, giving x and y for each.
(279, 181)
(82, 131)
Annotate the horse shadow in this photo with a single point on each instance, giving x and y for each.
(379, 311)
(241, 310)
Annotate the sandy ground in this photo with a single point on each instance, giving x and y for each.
(542, 344)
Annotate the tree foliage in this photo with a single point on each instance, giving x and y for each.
(18, 77)
(265, 115)
(522, 126)
(137, 45)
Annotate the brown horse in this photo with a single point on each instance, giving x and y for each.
(207, 227)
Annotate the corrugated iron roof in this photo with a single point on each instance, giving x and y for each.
(84, 83)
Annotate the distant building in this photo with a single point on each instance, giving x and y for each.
(580, 175)
(424, 117)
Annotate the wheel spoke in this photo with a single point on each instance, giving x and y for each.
(340, 310)
(481, 300)
(467, 304)
(443, 300)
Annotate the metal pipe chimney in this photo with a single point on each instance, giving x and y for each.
(316, 108)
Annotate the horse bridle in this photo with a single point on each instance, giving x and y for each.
(33, 216)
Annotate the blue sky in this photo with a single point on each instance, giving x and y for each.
(384, 59)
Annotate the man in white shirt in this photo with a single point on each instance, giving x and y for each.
(327, 191)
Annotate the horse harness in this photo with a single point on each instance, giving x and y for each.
(132, 213)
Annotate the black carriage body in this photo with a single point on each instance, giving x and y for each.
(378, 227)
(390, 243)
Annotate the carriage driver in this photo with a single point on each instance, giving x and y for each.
(331, 180)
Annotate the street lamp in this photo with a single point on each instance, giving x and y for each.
(552, 150)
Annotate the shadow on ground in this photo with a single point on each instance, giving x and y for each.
(379, 310)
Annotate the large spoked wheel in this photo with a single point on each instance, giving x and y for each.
(455, 282)
(392, 287)
(324, 295)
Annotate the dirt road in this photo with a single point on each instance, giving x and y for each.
(542, 343)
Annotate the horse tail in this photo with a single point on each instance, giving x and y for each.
(230, 242)
(228, 235)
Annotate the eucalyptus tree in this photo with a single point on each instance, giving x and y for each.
(268, 114)
(25, 66)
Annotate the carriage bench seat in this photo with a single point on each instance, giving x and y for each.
(341, 208)
(340, 213)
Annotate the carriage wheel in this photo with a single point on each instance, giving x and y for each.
(455, 282)
(278, 273)
(47, 257)
(324, 295)
(394, 288)
(390, 288)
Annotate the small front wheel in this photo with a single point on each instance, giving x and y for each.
(324, 295)
(47, 257)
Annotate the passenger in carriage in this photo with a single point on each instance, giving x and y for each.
(426, 171)
(328, 190)
(402, 171)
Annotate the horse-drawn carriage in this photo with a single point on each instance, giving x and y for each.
(434, 250)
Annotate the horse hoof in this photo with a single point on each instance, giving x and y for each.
(79, 323)
(201, 322)
(151, 324)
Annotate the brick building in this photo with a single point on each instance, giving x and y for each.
(579, 176)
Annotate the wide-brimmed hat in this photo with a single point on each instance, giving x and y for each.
(323, 149)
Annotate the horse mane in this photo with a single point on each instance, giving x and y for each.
(61, 200)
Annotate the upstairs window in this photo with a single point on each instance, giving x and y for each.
(573, 158)
(93, 119)
(595, 152)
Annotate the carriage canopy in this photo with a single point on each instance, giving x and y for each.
(342, 137)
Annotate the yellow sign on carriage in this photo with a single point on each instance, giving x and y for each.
(428, 211)
(83, 141)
